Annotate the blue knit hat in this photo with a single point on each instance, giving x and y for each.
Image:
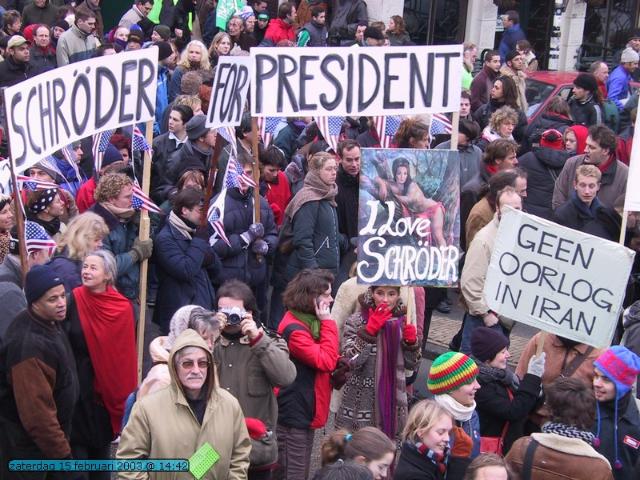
(40, 279)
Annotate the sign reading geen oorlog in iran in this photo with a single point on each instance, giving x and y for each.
(66, 104)
(557, 279)
(355, 81)
(229, 92)
(632, 196)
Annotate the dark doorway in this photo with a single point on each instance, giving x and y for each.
(436, 22)
(606, 29)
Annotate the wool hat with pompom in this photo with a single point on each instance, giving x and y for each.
(621, 366)
(450, 371)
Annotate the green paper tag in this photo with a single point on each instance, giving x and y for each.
(201, 461)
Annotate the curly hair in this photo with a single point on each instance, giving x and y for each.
(502, 115)
(571, 402)
(305, 287)
(110, 186)
(204, 56)
(81, 232)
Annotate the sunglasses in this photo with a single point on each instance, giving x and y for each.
(189, 364)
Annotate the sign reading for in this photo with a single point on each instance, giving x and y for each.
(355, 81)
(229, 92)
(557, 279)
(64, 105)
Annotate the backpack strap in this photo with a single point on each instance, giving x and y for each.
(527, 465)
(289, 329)
(569, 370)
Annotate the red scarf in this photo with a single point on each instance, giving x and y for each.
(492, 169)
(604, 166)
(108, 325)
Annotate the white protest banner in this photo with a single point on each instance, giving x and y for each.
(66, 104)
(5, 177)
(319, 81)
(229, 92)
(632, 197)
(557, 279)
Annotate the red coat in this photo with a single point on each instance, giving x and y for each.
(278, 195)
(305, 403)
(84, 197)
(279, 30)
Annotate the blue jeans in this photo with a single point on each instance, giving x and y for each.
(470, 323)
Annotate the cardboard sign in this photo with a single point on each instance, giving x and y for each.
(315, 81)
(66, 104)
(229, 92)
(632, 196)
(408, 217)
(557, 279)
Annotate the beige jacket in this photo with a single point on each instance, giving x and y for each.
(519, 79)
(162, 425)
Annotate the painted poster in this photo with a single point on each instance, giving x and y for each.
(408, 219)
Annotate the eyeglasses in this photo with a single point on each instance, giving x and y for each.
(189, 364)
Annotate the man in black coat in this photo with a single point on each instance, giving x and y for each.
(38, 379)
(16, 66)
(348, 181)
(584, 104)
(584, 212)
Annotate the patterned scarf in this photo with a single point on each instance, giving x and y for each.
(501, 375)
(568, 431)
(438, 459)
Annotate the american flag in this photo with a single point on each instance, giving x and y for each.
(386, 127)
(440, 125)
(100, 143)
(140, 201)
(229, 134)
(267, 127)
(70, 156)
(37, 238)
(330, 127)
(215, 217)
(33, 184)
(234, 176)
(139, 143)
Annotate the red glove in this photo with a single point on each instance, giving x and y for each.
(410, 334)
(462, 443)
(377, 319)
(256, 427)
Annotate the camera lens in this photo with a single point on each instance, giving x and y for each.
(233, 319)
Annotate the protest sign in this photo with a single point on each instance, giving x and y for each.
(557, 279)
(5, 177)
(408, 217)
(59, 107)
(632, 197)
(319, 81)
(229, 92)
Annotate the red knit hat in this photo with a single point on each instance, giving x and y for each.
(552, 138)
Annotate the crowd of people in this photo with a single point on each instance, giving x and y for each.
(254, 355)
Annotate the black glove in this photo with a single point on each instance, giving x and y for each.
(260, 247)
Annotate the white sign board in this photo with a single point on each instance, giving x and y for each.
(229, 92)
(632, 198)
(557, 279)
(59, 107)
(318, 81)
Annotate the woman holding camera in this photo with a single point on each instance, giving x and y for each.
(251, 363)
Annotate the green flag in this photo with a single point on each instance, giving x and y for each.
(225, 10)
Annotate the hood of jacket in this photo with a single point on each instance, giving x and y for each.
(631, 315)
(551, 158)
(191, 338)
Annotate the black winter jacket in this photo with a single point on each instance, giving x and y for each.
(347, 200)
(586, 113)
(345, 18)
(414, 466)
(317, 241)
(495, 408)
(602, 221)
(483, 114)
(546, 121)
(238, 261)
(543, 165)
(163, 148)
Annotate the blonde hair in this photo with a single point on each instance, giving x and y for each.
(191, 101)
(204, 56)
(503, 115)
(423, 416)
(588, 171)
(317, 161)
(80, 233)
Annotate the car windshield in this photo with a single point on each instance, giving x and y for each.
(537, 93)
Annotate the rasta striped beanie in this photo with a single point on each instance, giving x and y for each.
(450, 371)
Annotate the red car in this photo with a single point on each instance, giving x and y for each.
(543, 86)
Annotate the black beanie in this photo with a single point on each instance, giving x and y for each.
(486, 343)
(39, 280)
(586, 81)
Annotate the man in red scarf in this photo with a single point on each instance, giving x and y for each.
(600, 151)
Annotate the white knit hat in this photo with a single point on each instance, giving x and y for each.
(629, 55)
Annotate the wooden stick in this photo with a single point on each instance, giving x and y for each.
(256, 169)
(623, 227)
(144, 232)
(455, 122)
(22, 241)
(540, 343)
